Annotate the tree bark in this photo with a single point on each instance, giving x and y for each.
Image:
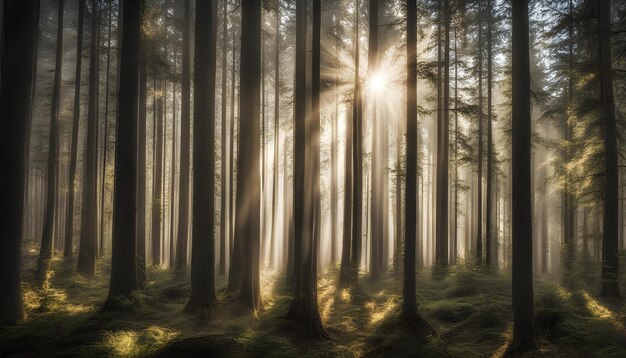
(141, 167)
(610, 232)
(89, 229)
(224, 99)
(523, 330)
(123, 265)
(247, 225)
(443, 145)
(202, 227)
(45, 252)
(185, 139)
(69, 218)
(19, 31)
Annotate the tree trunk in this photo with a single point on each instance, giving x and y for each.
(123, 265)
(157, 192)
(224, 99)
(299, 156)
(45, 253)
(202, 232)
(357, 163)
(376, 212)
(69, 218)
(610, 232)
(488, 230)
(443, 140)
(89, 229)
(479, 199)
(409, 295)
(248, 191)
(141, 168)
(20, 23)
(185, 139)
(304, 308)
(523, 331)
(106, 135)
(272, 258)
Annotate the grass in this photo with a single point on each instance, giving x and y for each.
(470, 309)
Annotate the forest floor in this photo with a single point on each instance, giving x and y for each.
(471, 310)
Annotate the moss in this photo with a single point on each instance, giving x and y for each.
(470, 308)
(450, 311)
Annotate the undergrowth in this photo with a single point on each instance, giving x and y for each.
(469, 307)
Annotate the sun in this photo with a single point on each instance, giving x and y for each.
(377, 84)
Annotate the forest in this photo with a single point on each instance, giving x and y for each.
(312, 178)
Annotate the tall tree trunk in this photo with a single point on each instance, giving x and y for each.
(523, 331)
(344, 273)
(488, 219)
(248, 191)
(45, 252)
(567, 198)
(89, 229)
(231, 162)
(443, 140)
(141, 167)
(376, 214)
(105, 145)
(455, 234)
(479, 199)
(19, 31)
(69, 218)
(272, 258)
(157, 192)
(357, 162)
(299, 156)
(224, 99)
(409, 296)
(334, 146)
(185, 139)
(123, 265)
(610, 232)
(304, 308)
(172, 241)
(202, 227)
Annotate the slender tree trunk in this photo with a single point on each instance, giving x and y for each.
(489, 224)
(45, 253)
(479, 199)
(300, 195)
(89, 229)
(272, 258)
(157, 192)
(610, 232)
(334, 144)
(106, 134)
(19, 31)
(172, 261)
(123, 265)
(224, 99)
(523, 331)
(304, 308)
(357, 162)
(231, 163)
(443, 140)
(202, 234)
(376, 214)
(248, 191)
(409, 296)
(185, 139)
(69, 218)
(141, 168)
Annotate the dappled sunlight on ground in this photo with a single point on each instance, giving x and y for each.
(134, 343)
(470, 308)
